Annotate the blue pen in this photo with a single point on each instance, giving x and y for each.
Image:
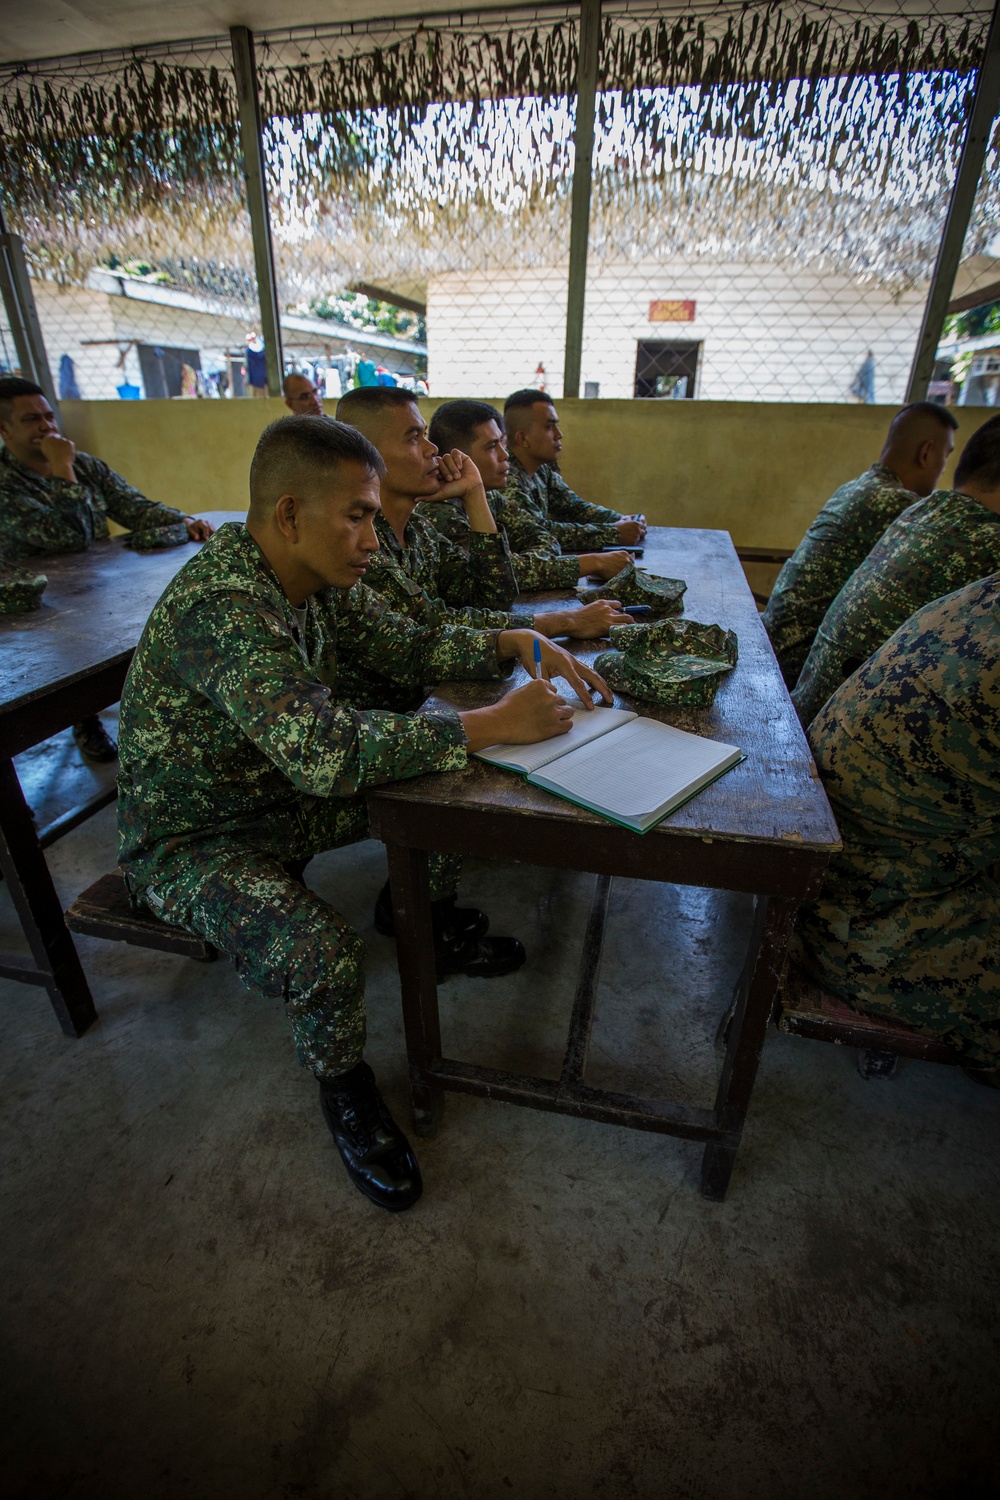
(538, 657)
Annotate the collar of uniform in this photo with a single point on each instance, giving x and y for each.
(387, 538)
(885, 473)
(21, 470)
(233, 537)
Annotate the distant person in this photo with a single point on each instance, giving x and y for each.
(907, 925)
(417, 570)
(301, 396)
(55, 500)
(476, 428)
(919, 443)
(534, 441)
(242, 758)
(937, 545)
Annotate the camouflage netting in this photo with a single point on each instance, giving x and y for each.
(777, 131)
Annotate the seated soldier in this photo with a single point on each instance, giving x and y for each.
(908, 922)
(476, 428)
(301, 396)
(54, 499)
(241, 759)
(417, 570)
(916, 450)
(534, 441)
(939, 544)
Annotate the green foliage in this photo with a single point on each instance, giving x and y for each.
(361, 312)
(970, 324)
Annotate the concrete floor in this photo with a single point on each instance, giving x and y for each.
(199, 1305)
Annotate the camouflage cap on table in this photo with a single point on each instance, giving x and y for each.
(20, 590)
(633, 585)
(672, 663)
(155, 538)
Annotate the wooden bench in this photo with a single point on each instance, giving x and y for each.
(803, 1009)
(104, 910)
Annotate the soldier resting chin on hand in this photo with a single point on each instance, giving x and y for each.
(240, 758)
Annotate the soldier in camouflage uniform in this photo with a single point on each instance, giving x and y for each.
(916, 450)
(417, 570)
(240, 758)
(535, 485)
(908, 923)
(54, 499)
(476, 428)
(938, 545)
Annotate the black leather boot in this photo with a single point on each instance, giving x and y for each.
(376, 1153)
(93, 741)
(457, 922)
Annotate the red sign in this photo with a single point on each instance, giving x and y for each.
(672, 312)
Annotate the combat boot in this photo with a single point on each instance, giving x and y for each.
(93, 741)
(459, 922)
(376, 1153)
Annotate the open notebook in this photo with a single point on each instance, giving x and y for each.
(632, 770)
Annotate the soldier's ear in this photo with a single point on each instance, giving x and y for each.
(286, 516)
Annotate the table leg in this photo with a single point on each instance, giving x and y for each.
(411, 909)
(772, 930)
(57, 962)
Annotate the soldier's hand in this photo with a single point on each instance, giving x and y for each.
(556, 662)
(525, 716)
(60, 453)
(595, 620)
(630, 532)
(458, 474)
(603, 564)
(198, 531)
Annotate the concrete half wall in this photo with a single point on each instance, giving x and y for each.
(760, 471)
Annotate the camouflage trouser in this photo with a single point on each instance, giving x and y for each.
(285, 941)
(931, 962)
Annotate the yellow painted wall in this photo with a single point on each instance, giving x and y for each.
(757, 470)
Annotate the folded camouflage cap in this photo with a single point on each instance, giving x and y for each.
(155, 538)
(665, 596)
(672, 663)
(20, 591)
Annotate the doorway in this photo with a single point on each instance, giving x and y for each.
(666, 370)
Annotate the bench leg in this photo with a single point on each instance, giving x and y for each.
(411, 907)
(57, 962)
(772, 929)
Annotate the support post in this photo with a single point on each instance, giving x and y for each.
(985, 100)
(583, 167)
(19, 300)
(245, 70)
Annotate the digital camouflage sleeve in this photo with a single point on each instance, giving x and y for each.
(937, 545)
(535, 557)
(575, 524)
(407, 579)
(41, 516)
(231, 720)
(837, 542)
(908, 922)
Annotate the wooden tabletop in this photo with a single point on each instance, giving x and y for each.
(91, 615)
(773, 797)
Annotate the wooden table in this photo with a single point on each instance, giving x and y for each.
(765, 828)
(58, 664)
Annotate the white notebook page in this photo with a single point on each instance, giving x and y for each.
(588, 724)
(644, 766)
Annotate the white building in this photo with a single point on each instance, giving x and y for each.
(735, 331)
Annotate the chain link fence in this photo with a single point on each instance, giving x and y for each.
(769, 188)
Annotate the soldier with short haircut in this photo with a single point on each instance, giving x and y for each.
(908, 922)
(920, 440)
(534, 440)
(476, 428)
(55, 500)
(937, 545)
(417, 570)
(240, 758)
